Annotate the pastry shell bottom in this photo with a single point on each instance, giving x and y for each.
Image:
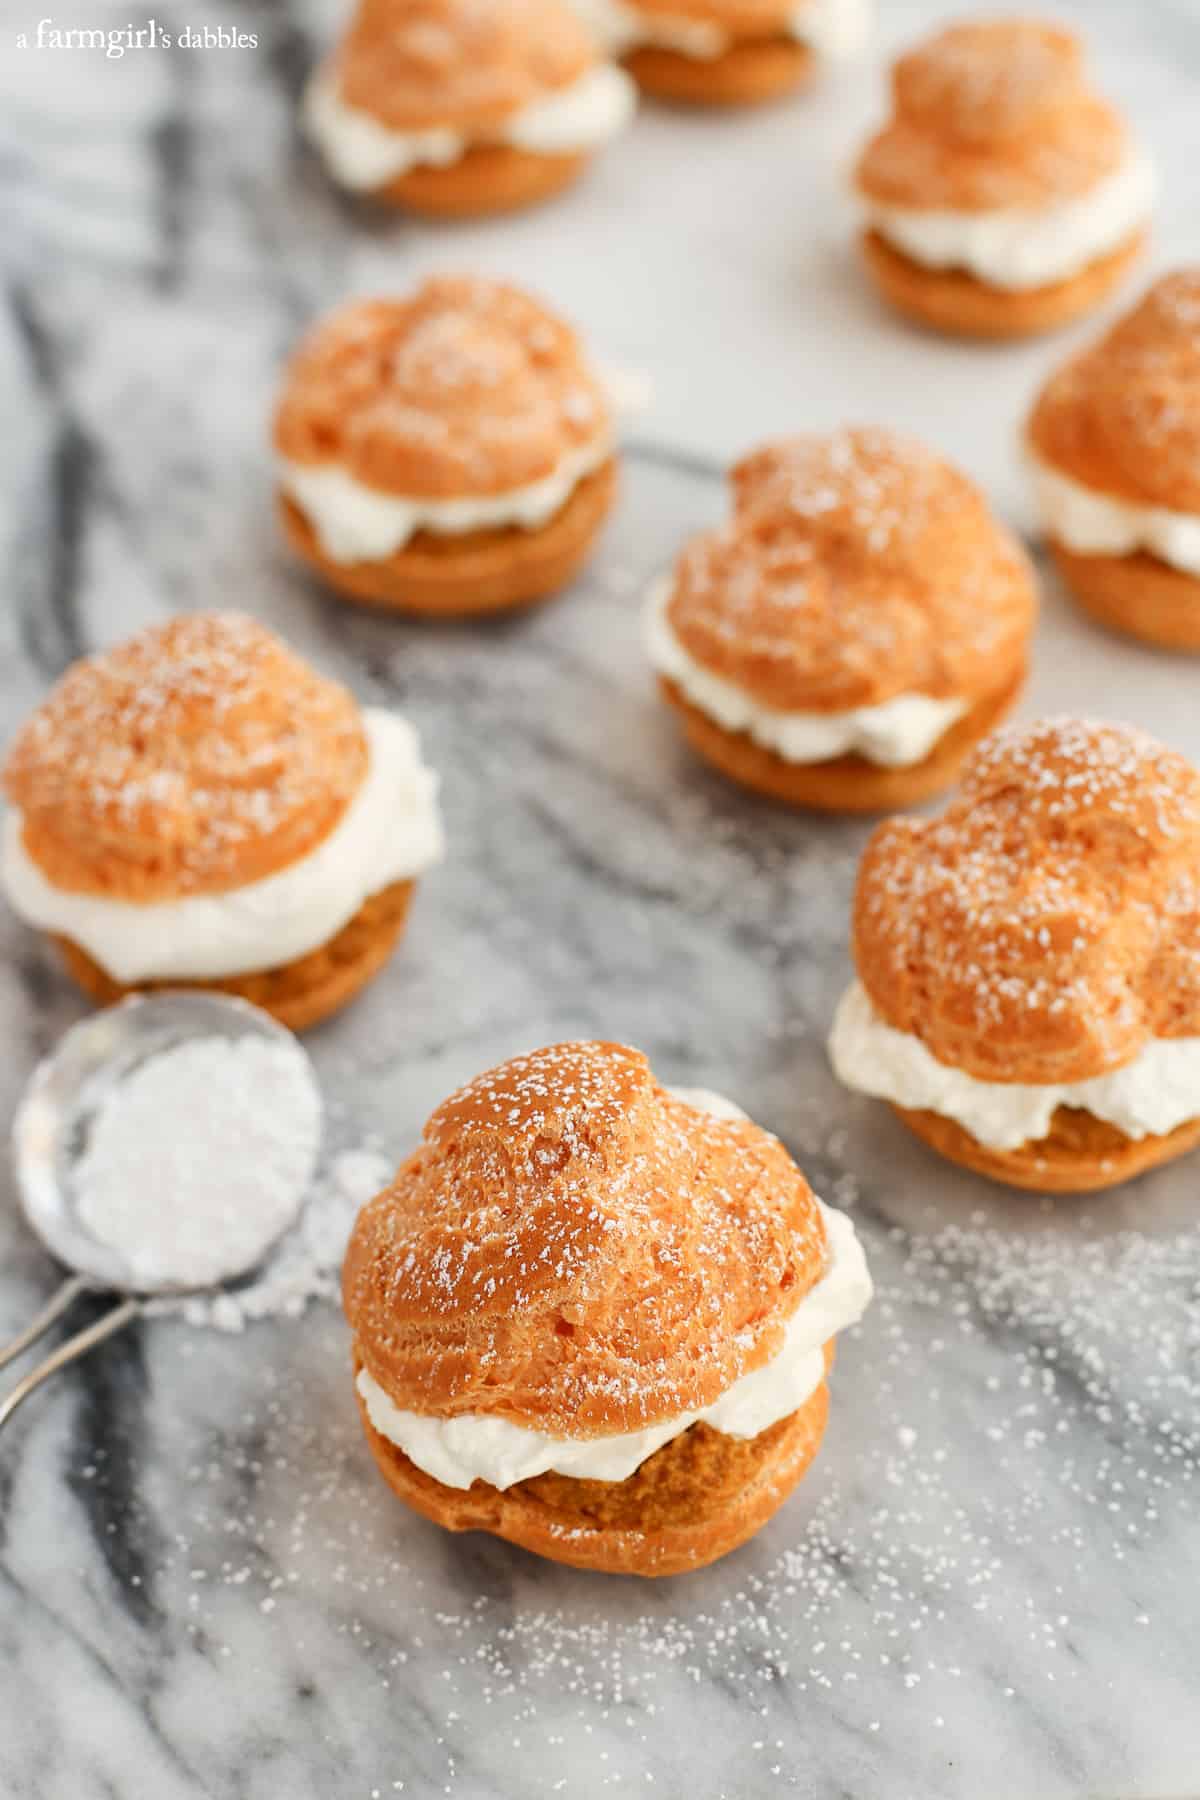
(746, 74)
(1138, 595)
(951, 301)
(1080, 1155)
(300, 993)
(699, 1497)
(475, 572)
(486, 179)
(846, 784)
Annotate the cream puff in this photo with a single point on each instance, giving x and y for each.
(199, 808)
(855, 628)
(452, 452)
(1028, 992)
(1114, 442)
(462, 107)
(1003, 197)
(726, 52)
(595, 1317)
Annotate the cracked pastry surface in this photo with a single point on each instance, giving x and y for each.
(574, 1266)
(1037, 947)
(457, 62)
(196, 756)
(862, 601)
(990, 116)
(460, 106)
(432, 424)
(199, 805)
(1003, 196)
(1114, 446)
(1123, 416)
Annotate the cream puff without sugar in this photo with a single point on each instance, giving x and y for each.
(855, 628)
(595, 1317)
(1114, 443)
(199, 808)
(461, 107)
(1003, 197)
(1028, 992)
(448, 453)
(726, 52)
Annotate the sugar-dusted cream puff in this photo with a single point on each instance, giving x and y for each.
(855, 628)
(451, 452)
(1114, 442)
(1028, 992)
(1003, 197)
(726, 52)
(595, 1317)
(463, 107)
(198, 807)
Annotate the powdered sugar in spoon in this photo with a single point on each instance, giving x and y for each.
(163, 1149)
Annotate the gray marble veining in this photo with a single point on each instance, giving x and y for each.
(987, 1584)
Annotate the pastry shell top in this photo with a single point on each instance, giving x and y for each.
(464, 64)
(573, 1249)
(989, 116)
(856, 567)
(1123, 416)
(198, 756)
(466, 388)
(1047, 925)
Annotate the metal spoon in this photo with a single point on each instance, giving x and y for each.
(50, 1134)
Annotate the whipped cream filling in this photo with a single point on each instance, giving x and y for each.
(356, 523)
(479, 1447)
(1019, 248)
(831, 28)
(390, 832)
(894, 735)
(364, 154)
(1097, 524)
(1152, 1095)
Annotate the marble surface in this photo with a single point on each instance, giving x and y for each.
(987, 1584)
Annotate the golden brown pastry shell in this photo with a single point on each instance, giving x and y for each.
(1139, 596)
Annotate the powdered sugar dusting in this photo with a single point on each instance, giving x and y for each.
(156, 766)
(1124, 415)
(990, 76)
(1048, 923)
(857, 566)
(864, 1597)
(460, 63)
(467, 387)
(989, 115)
(578, 1250)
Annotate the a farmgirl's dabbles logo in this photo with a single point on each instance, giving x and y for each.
(115, 41)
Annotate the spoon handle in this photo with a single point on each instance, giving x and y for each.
(76, 1346)
(68, 1293)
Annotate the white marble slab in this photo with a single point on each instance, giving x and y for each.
(987, 1585)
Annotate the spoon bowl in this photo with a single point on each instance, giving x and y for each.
(65, 1095)
(51, 1133)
